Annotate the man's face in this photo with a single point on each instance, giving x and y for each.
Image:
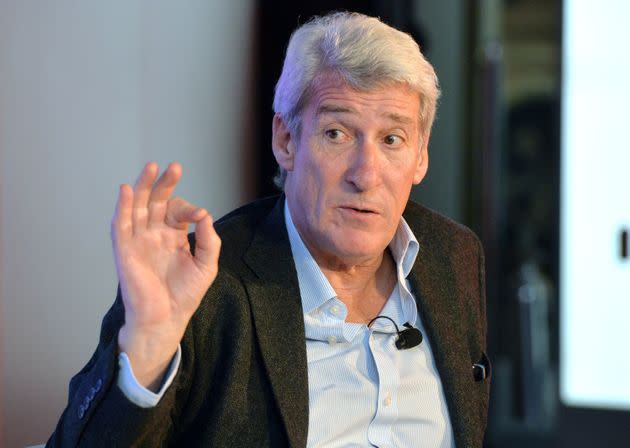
(351, 169)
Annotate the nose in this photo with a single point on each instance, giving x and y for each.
(364, 166)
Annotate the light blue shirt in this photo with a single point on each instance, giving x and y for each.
(363, 391)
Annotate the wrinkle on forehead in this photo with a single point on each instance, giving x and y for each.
(331, 95)
(339, 109)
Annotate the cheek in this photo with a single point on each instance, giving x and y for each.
(400, 188)
(308, 185)
(306, 177)
(317, 170)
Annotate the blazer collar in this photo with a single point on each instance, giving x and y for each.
(279, 322)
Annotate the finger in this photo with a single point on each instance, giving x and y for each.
(161, 193)
(180, 213)
(207, 246)
(141, 192)
(122, 228)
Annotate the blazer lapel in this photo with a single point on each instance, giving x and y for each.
(279, 321)
(433, 284)
(440, 323)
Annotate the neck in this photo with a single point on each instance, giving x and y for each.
(362, 285)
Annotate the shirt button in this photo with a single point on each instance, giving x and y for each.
(332, 340)
(387, 401)
(335, 310)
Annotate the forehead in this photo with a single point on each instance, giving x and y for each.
(393, 101)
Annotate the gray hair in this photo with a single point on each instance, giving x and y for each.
(361, 51)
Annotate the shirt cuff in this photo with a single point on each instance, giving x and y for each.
(134, 391)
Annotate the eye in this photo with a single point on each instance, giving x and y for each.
(392, 140)
(336, 135)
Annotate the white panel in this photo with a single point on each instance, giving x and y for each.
(595, 280)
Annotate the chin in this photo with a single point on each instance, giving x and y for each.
(358, 246)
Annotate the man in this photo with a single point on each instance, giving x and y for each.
(291, 336)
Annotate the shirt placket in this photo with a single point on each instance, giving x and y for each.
(380, 429)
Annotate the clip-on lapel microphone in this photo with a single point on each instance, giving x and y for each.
(407, 338)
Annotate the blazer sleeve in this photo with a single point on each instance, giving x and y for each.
(98, 413)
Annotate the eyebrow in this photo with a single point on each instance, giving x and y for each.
(403, 119)
(325, 109)
(331, 109)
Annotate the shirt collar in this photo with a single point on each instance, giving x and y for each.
(315, 289)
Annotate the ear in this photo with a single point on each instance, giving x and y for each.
(282, 143)
(423, 160)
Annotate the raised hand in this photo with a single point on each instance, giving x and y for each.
(161, 282)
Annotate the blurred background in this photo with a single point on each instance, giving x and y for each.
(529, 150)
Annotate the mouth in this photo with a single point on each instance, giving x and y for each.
(360, 210)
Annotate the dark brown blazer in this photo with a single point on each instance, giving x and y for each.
(242, 380)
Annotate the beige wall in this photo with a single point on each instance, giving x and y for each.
(88, 92)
